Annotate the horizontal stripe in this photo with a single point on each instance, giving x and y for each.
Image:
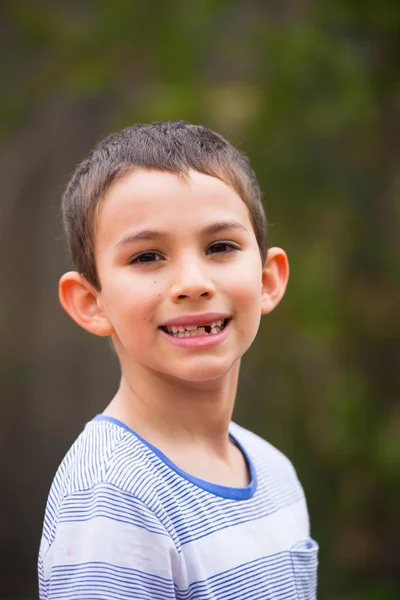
(106, 580)
(104, 540)
(107, 501)
(262, 578)
(246, 542)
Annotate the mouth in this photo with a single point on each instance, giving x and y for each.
(203, 329)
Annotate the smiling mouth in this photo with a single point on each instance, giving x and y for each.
(196, 331)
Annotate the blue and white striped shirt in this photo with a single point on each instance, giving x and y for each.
(123, 522)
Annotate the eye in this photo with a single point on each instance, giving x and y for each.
(222, 248)
(146, 258)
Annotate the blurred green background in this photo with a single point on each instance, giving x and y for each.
(310, 92)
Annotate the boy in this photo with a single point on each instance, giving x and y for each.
(162, 496)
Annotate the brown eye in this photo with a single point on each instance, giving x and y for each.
(222, 248)
(146, 258)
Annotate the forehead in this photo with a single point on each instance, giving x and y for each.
(164, 200)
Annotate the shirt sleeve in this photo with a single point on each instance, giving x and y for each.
(107, 544)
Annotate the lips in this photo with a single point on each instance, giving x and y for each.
(192, 330)
(198, 338)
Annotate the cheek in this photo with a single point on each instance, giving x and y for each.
(131, 302)
(246, 292)
(246, 278)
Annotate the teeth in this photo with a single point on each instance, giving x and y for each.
(192, 330)
(216, 324)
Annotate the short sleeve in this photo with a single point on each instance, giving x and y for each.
(107, 545)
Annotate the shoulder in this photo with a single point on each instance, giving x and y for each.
(255, 443)
(103, 454)
(107, 473)
(277, 479)
(100, 523)
(267, 458)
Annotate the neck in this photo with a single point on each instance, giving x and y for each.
(169, 412)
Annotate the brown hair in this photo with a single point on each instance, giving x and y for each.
(174, 146)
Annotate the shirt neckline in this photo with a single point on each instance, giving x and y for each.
(230, 493)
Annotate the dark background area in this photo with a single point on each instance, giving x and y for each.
(310, 92)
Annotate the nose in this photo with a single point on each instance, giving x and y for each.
(191, 281)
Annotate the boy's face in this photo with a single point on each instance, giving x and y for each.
(171, 248)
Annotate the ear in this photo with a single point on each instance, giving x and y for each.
(81, 301)
(275, 276)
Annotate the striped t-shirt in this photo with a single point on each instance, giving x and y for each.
(124, 522)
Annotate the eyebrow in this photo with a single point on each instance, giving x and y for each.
(148, 234)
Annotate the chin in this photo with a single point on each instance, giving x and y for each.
(203, 373)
